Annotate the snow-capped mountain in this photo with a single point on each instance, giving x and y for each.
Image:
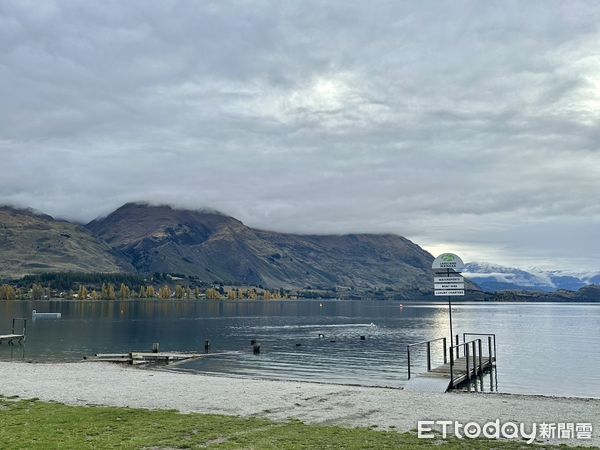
(493, 277)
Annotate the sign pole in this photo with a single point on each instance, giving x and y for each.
(450, 310)
(449, 285)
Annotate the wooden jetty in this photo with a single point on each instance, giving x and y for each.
(13, 336)
(138, 358)
(456, 370)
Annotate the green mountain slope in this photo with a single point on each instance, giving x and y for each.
(33, 243)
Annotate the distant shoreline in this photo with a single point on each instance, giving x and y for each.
(315, 300)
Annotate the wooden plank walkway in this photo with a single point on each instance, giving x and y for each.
(136, 358)
(439, 379)
(12, 338)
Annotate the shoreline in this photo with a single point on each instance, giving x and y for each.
(91, 383)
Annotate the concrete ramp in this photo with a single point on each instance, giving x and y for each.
(426, 383)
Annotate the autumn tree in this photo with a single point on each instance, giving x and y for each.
(212, 294)
(124, 292)
(164, 292)
(37, 292)
(82, 293)
(108, 292)
(7, 292)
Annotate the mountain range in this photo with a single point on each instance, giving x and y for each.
(213, 247)
(210, 246)
(495, 278)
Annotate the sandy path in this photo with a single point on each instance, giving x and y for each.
(108, 384)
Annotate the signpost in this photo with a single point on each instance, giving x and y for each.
(449, 283)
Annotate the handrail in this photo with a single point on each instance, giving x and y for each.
(464, 343)
(425, 342)
(490, 337)
(467, 357)
(23, 325)
(428, 352)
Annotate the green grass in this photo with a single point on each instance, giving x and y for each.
(33, 424)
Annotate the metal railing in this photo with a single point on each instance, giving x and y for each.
(23, 325)
(490, 336)
(467, 357)
(428, 343)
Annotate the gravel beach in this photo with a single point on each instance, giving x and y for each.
(90, 383)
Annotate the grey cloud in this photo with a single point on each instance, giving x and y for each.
(461, 125)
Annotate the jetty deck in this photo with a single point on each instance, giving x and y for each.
(14, 336)
(11, 338)
(456, 370)
(136, 358)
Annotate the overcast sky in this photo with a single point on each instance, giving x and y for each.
(465, 126)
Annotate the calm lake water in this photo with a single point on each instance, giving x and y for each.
(550, 349)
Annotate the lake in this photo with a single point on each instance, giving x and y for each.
(549, 349)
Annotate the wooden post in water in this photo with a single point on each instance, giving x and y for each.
(428, 356)
(474, 358)
(480, 365)
(467, 361)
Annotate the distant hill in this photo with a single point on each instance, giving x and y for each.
(213, 247)
(495, 278)
(34, 243)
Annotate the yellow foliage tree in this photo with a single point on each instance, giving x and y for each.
(164, 292)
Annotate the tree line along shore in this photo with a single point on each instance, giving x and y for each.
(81, 286)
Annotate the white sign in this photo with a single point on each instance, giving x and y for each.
(449, 285)
(448, 261)
(448, 280)
(448, 292)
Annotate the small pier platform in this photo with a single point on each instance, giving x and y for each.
(138, 358)
(455, 370)
(12, 338)
(15, 337)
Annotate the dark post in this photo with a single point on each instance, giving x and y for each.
(490, 349)
(408, 358)
(467, 361)
(155, 347)
(451, 365)
(450, 310)
(457, 347)
(445, 351)
(480, 366)
(428, 356)
(474, 358)
(206, 346)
